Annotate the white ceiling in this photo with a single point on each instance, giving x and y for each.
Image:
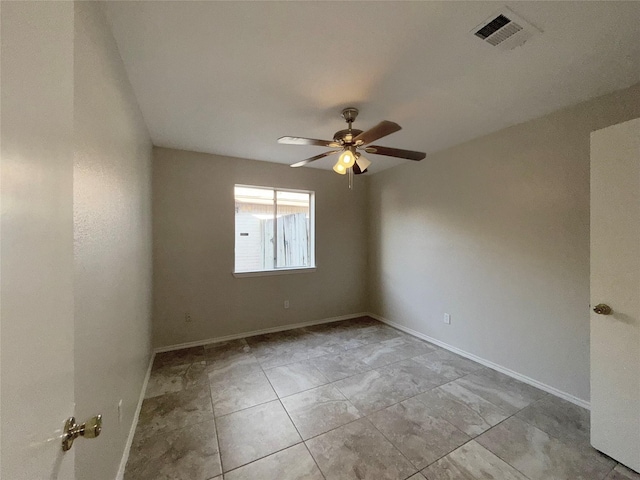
(231, 77)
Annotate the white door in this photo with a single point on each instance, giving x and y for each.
(36, 238)
(615, 281)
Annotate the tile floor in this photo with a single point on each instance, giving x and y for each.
(352, 400)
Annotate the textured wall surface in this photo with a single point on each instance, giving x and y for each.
(193, 244)
(112, 236)
(36, 284)
(496, 232)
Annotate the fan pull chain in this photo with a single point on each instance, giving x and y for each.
(351, 178)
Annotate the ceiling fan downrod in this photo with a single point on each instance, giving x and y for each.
(350, 114)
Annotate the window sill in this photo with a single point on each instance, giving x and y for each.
(267, 273)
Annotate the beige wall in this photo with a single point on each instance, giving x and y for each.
(193, 225)
(496, 232)
(36, 226)
(112, 234)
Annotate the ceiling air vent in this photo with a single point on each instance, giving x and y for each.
(505, 30)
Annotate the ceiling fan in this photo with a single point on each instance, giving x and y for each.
(349, 141)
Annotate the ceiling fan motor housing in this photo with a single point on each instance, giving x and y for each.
(346, 136)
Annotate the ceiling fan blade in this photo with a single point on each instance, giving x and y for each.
(383, 129)
(313, 159)
(308, 141)
(395, 152)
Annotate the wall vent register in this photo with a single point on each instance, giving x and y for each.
(505, 30)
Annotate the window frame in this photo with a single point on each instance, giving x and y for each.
(312, 235)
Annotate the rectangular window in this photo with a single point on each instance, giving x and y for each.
(274, 229)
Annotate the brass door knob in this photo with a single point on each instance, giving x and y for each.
(90, 429)
(602, 309)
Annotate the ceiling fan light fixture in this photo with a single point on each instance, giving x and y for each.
(348, 158)
(340, 168)
(348, 141)
(362, 162)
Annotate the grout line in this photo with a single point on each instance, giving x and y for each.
(369, 369)
(282, 405)
(262, 369)
(494, 453)
(305, 390)
(333, 384)
(279, 399)
(246, 408)
(293, 423)
(470, 438)
(336, 428)
(399, 401)
(481, 434)
(504, 420)
(543, 431)
(190, 425)
(402, 335)
(215, 424)
(366, 416)
(261, 458)
(449, 453)
(561, 440)
(266, 331)
(313, 458)
(494, 366)
(394, 446)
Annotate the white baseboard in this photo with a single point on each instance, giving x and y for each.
(253, 333)
(487, 363)
(134, 423)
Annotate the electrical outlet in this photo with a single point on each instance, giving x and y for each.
(187, 317)
(120, 411)
(447, 319)
(286, 304)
